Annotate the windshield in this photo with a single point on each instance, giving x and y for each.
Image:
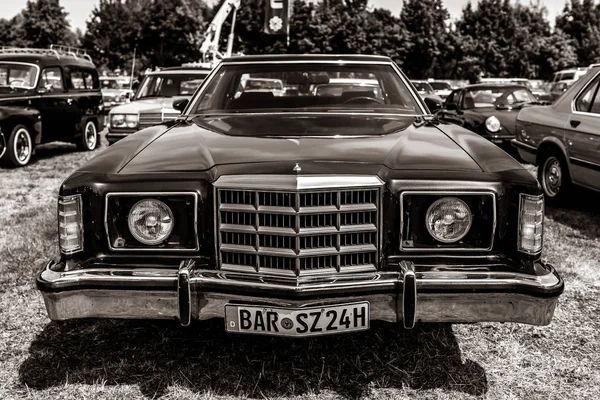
(496, 97)
(314, 87)
(170, 85)
(423, 87)
(441, 86)
(17, 75)
(114, 83)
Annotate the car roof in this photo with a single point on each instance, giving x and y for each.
(180, 70)
(308, 58)
(45, 58)
(483, 86)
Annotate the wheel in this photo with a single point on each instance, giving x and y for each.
(553, 175)
(89, 139)
(19, 147)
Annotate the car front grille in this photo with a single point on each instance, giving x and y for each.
(298, 232)
(151, 119)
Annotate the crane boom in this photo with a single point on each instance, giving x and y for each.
(210, 45)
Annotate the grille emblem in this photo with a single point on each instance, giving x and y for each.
(297, 168)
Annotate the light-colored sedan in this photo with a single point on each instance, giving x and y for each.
(564, 139)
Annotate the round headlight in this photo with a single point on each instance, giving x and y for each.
(448, 219)
(150, 221)
(118, 119)
(492, 124)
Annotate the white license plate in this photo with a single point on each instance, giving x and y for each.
(312, 321)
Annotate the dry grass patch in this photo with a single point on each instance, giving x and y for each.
(141, 359)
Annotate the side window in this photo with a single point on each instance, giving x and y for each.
(451, 99)
(588, 100)
(77, 81)
(52, 79)
(91, 79)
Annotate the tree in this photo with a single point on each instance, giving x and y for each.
(111, 33)
(11, 31)
(425, 21)
(167, 33)
(45, 23)
(581, 21)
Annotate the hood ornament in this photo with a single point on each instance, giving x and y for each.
(297, 168)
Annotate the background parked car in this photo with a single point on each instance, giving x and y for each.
(441, 88)
(116, 90)
(564, 139)
(489, 110)
(153, 102)
(557, 89)
(47, 95)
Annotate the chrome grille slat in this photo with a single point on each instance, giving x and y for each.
(298, 232)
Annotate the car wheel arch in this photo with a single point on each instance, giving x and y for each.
(552, 144)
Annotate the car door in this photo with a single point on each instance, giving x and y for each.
(582, 136)
(53, 104)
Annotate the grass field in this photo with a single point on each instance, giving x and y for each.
(115, 359)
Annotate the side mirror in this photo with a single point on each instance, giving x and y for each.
(451, 107)
(180, 104)
(433, 103)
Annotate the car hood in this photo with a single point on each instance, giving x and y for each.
(252, 141)
(138, 106)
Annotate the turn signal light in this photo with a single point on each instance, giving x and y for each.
(70, 224)
(531, 223)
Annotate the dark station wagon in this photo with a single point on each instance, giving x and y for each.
(301, 214)
(47, 95)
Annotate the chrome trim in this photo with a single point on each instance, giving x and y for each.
(296, 183)
(536, 198)
(384, 280)
(150, 194)
(37, 75)
(409, 294)
(71, 301)
(589, 164)
(81, 232)
(3, 144)
(446, 193)
(519, 144)
(184, 292)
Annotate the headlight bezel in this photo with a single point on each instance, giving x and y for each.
(116, 211)
(437, 202)
(414, 204)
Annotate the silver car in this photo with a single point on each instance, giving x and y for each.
(564, 139)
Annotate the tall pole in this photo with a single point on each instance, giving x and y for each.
(132, 68)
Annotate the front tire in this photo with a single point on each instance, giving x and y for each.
(19, 147)
(553, 174)
(89, 139)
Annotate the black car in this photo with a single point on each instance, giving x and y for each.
(487, 109)
(47, 95)
(304, 214)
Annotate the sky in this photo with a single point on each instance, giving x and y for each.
(79, 10)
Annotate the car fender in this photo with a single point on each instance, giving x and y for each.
(12, 115)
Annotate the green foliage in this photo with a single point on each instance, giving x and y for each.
(491, 38)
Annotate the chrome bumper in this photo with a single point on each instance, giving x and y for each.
(405, 296)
